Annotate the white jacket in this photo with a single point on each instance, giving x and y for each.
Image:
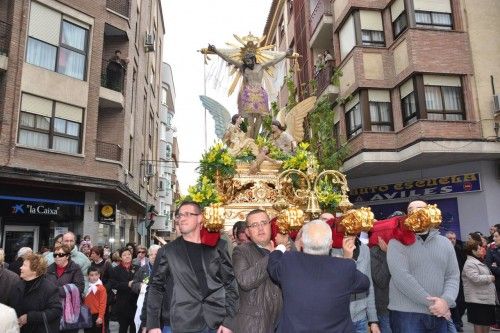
(478, 287)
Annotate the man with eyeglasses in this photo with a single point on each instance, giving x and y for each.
(205, 296)
(260, 298)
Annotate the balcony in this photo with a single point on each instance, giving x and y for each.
(423, 144)
(325, 86)
(161, 222)
(121, 7)
(108, 151)
(321, 25)
(5, 29)
(112, 85)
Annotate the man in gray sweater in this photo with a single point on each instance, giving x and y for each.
(362, 305)
(424, 281)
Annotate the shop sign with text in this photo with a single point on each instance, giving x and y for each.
(469, 182)
(35, 209)
(107, 213)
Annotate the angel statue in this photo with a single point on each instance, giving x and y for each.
(282, 139)
(250, 62)
(228, 128)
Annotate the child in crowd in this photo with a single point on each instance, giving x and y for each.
(96, 299)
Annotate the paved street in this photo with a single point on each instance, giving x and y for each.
(467, 327)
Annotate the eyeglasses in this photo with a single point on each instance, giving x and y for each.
(186, 214)
(141, 252)
(258, 224)
(60, 255)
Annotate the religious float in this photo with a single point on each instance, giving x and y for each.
(262, 162)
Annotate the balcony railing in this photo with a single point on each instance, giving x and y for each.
(122, 7)
(324, 78)
(108, 151)
(113, 75)
(323, 7)
(4, 37)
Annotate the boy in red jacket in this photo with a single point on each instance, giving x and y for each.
(96, 299)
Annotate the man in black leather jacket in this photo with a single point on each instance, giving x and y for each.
(205, 292)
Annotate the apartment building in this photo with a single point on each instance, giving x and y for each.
(168, 156)
(417, 103)
(79, 122)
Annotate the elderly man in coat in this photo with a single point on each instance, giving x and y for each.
(316, 287)
(260, 298)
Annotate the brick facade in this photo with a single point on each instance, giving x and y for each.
(111, 30)
(416, 51)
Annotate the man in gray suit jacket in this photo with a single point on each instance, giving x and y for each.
(205, 294)
(260, 298)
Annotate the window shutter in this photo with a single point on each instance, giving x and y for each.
(379, 96)
(442, 80)
(352, 102)
(441, 6)
(397, 8)
(36, 105)
(371, 20)
(45, 23)
(69, 112)
(406, 88)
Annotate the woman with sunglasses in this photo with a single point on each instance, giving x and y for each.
(64, 272)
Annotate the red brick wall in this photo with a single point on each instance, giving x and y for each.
(99, 124)
(423, 129)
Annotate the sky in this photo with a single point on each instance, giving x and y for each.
(189, 26)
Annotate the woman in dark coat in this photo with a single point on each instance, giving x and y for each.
(121, 279)
(493, 262)
(37, 303)
(64, 271)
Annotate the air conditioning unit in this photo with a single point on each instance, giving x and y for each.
(496, 103)
(150, 172)
(149, 43)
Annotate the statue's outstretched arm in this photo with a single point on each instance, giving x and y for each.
(224, 56)
(279, 58)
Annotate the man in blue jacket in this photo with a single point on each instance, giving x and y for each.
(316, 287)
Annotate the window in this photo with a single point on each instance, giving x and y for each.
(163, 96)
(169, 120)
(136, 34)
(444, 103)
(409, 108)
(144, 110)
(372, 38)
(130, 154)
(34, 130)
(435, 20)
(150, 133)
(400, 24)
(56, 43)
(72, 51)
(282, 30)
(66, 136)
(372, 28)
(353, 120)
(50, 125)
(134, 90)
(347, 37)
(380, 116)
(169, 151)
